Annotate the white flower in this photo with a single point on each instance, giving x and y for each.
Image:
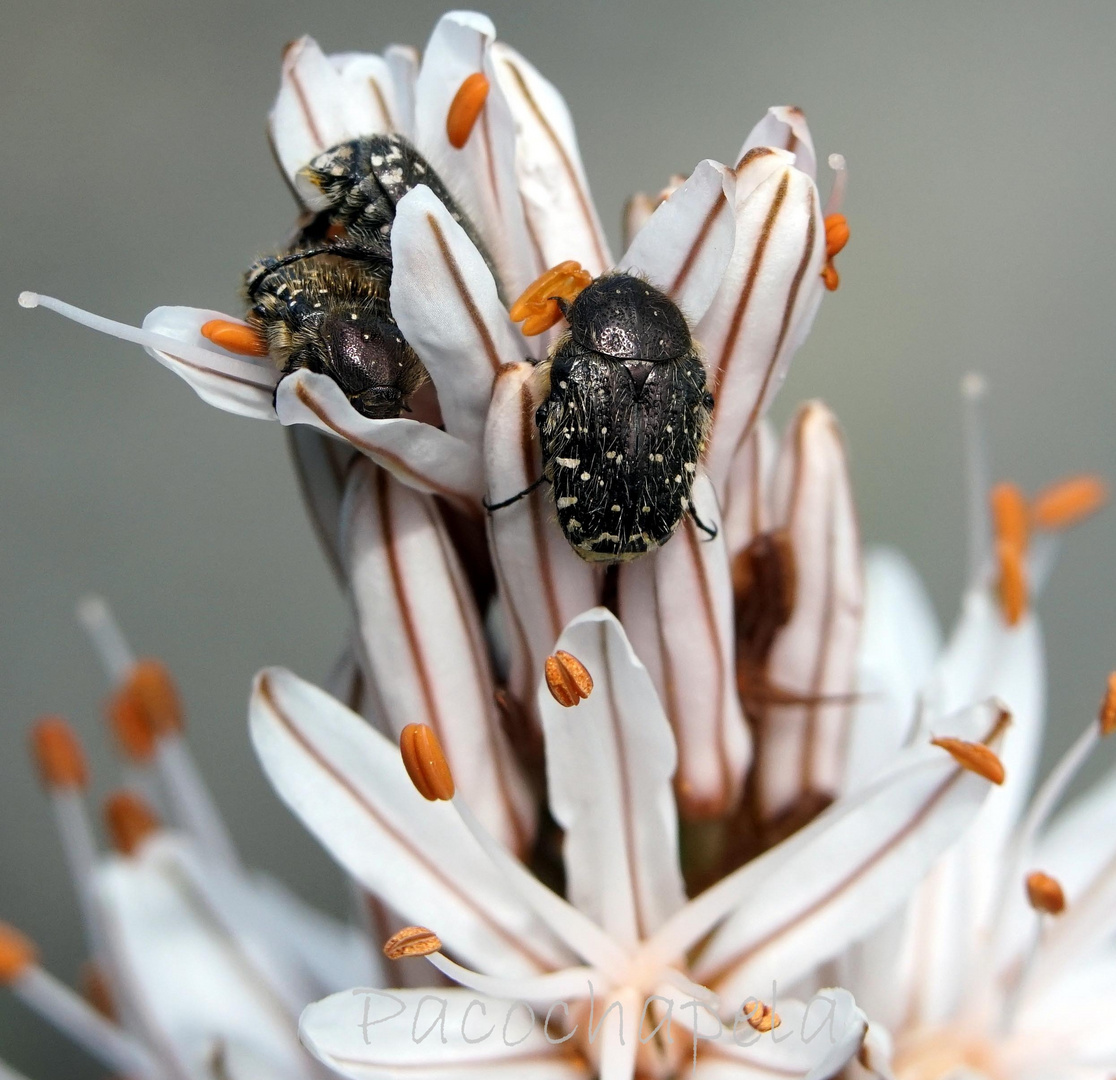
(198, 967)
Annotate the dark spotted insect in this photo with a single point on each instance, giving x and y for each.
(323, 304)
(623, 421)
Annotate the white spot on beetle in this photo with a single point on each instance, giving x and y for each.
(569, 462)
(566, 500)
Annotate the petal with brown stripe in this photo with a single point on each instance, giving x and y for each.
(424, 652)
(561, 218)
(610, 765)
(348, 784)
(445, 301)
(481, 174)
(800, 748)
(676, 606)
(766, 301)
(684, 248)
(421, 455)
(543, 585)
(785, 128)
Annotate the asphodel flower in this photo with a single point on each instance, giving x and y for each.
(650, 808)
(198, 967)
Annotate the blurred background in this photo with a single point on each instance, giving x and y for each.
(137, 173)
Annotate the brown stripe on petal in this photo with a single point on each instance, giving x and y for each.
(381, 101)
(719, 206)
(788, 310)
(239, 380)
(304, 105)
(726, 967)
(479, 325)
(466, 900)
(584, 205)
(382, 495)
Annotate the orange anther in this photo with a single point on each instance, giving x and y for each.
(761, 1017)
(412, 941)
(566, 679)
(235, 337)
(59, 754)
(1010, 516)
(425, 762)
(1012, 583)
(17, 954)
(1068, 502)
(836, 234)
(976, 757)
(1045, 894)
(830, 276)
(1107, 715)
(130, 821)
(96, 990)
(130, 724)
(465, 108)
(538, 307)
(153, 690)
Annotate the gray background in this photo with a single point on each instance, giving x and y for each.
(136, 173)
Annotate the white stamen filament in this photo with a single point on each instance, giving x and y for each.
(973, 389)
(840, 184)
(261, 371)
(1014, 993)
(60, 1006)
(80, 852)
(192, 805)
(8, 1073)
(580, 933)
(1045, 549)
(106, 637)
(569, 984)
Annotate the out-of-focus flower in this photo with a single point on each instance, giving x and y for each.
(198, 968)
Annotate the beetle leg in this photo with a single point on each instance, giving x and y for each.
(515, 498)
(709, 530)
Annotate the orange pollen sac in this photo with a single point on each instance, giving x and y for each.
(465, 109)
(17, 954)
(1107, 715)
(235, 337)
(59, 755)
(761, 1017)
(1045, 894)
(153, 690)
(976, 757)
(1012, 583)
(1068, 502)
(1010, 516)
(412, 941)
(566, 679)
(95, 989)
(129, 722)
(130, 821)
(836, 237)
(426, 763)
(538, 308)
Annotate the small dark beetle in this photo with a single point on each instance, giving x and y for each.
(623, 420)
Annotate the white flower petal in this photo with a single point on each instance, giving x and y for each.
(815, 1040)
(746, 506)
(800, 748)
(831, 882)
(768, 295)
(321, 464)
(784, 127)
(420, 455)
(403, 62)
(189, 980)
(543, 584)
(424, 649)
(380, 1035)
(317, 107)
(561, 216)
(482, 173)
(610, 763)
(445, 301)
(370, 89)
(900, 640)
(348, 785)
(686, 245)
(676, 606)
